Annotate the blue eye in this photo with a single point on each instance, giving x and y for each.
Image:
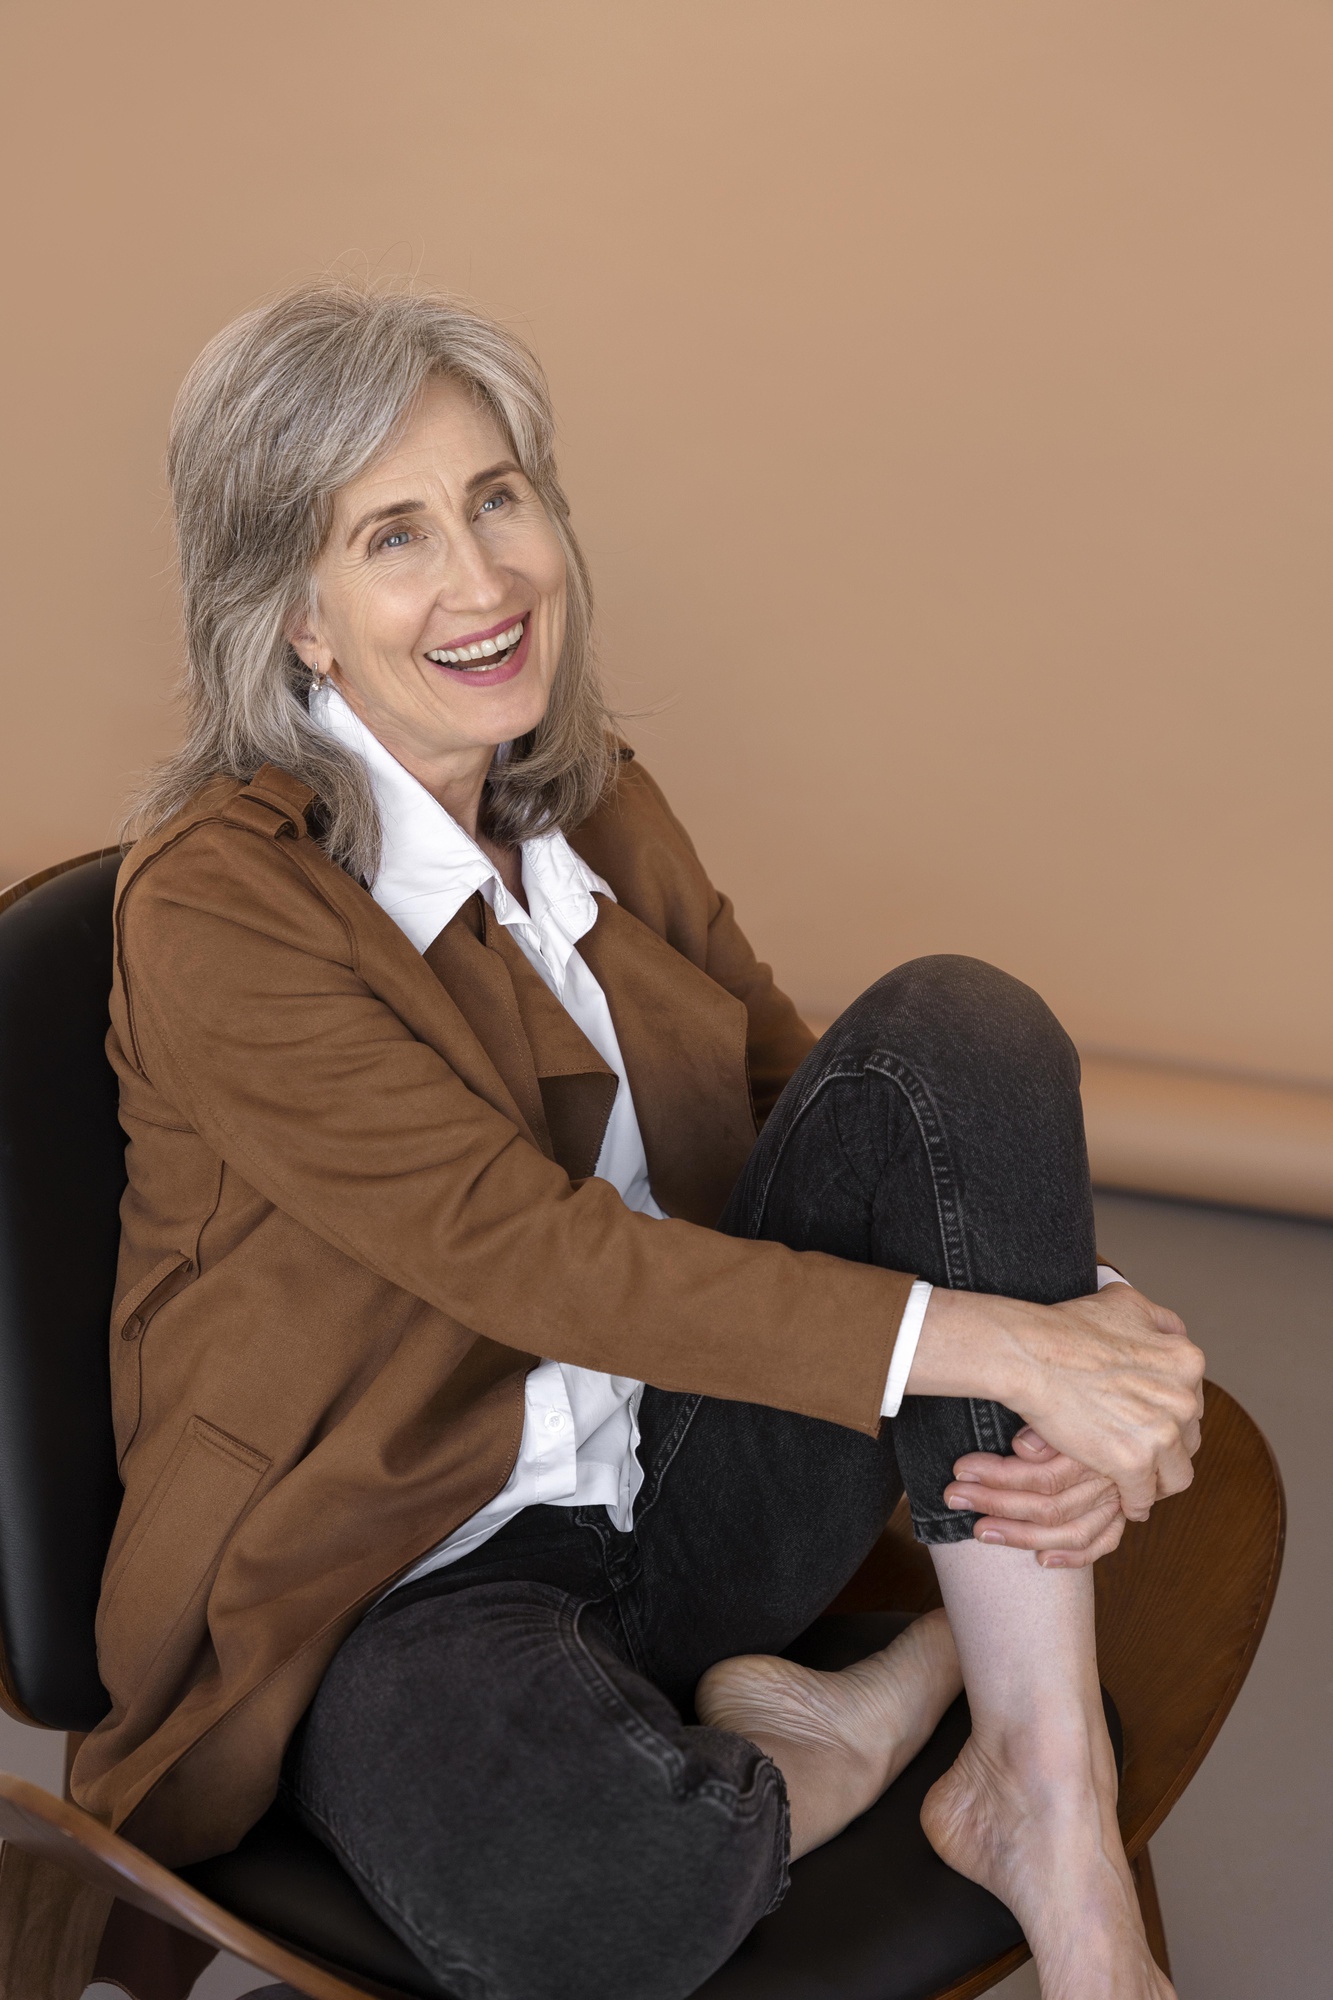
(397, 540)
(494, 500)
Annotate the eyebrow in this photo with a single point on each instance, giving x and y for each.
(399, 507)
(384, 514)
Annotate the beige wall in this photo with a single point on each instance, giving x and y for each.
(948, 402)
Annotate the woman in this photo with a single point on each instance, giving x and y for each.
(441, 1062)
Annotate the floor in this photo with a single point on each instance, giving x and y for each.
(1245, 1861)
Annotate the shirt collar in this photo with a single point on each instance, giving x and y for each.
(429, 866)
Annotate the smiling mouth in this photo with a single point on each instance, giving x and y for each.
(485, 655)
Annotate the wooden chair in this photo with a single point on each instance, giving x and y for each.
(872, 1916)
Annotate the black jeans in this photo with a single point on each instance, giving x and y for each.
(504, 1753)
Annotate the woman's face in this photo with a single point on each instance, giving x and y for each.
(440, 549)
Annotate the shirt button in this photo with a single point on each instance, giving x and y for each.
(555, 1420)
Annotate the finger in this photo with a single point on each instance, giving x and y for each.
(1138, 1490)
(1106, 1542)
(1193, 1437)
(1028, 1445)
(1050, 1475)
(1175, 1472)
(1068, 1536)
(1047, 1510)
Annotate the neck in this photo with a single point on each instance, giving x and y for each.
(455, 778)
(456, 781)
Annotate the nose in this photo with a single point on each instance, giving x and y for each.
(471, 579)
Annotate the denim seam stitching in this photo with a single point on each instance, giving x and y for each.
(949, 1211)
(665, 1456)
(740, 1806)
(944, 1185)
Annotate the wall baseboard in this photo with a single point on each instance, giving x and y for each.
(1202, 1135)
(1207, 1136)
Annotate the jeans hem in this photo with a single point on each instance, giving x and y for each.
(938, 1529)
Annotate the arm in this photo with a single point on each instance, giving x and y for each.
(1116, 1388)
(246, 1007)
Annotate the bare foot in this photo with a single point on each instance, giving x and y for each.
(838, 1739)
(1037, 1827)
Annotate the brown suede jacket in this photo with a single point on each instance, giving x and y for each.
(360, 1207)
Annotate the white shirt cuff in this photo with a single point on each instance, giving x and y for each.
(1108, 1275)
(904, 1347)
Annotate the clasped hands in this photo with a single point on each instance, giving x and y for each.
(1112, 1390)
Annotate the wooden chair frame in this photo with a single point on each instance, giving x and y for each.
(1181, 1608)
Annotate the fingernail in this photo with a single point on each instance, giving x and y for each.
(991, 1535)
(958, 1500)
(1053, 1562)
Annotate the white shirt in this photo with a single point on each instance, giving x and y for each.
(580, 1429)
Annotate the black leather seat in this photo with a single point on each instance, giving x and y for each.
(62, 1168)
(872, 1916)
(875, 1915)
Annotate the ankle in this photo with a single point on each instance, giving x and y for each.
(1064, 1752)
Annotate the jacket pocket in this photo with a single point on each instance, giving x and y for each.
(160, 1580)
(129, 1323)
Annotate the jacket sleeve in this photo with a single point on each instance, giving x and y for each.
(243, 1004)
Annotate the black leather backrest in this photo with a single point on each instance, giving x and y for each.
(62, 1168)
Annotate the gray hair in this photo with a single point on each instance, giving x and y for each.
(282, 408)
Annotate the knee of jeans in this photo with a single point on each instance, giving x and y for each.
(646, 1894)
(950, 1004)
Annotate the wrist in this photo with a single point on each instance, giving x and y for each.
(976, 1344)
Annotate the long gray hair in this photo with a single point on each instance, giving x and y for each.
(282, 408)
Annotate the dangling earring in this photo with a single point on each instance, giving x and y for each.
(316, 678)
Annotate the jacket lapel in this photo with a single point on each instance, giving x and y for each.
(577, 1088)
(683, 1038)
(478, 982)
(550, 1068)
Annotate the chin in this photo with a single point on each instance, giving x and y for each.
(520, 720)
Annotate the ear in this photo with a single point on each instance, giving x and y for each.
(300, 633)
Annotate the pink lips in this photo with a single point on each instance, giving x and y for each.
(488, 677)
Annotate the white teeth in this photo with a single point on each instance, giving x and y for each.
(484, 649)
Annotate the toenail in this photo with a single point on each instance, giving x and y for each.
(991, 1535)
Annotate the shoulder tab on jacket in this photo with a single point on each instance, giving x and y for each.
(274, 802)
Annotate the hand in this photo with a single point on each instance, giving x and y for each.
(1111, 1380)
(1039, 1499)
(1117, 1385)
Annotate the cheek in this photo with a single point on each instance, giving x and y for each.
(382, 617)
(546, 565)
(552, 583)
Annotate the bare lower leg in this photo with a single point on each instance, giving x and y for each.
(838, 1739)
(1029, 1808)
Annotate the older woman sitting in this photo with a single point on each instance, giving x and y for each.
(523, 1328)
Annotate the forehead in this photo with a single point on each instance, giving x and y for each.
(450, 435)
